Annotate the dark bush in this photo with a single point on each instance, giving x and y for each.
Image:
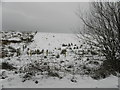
(45, 63)
(53, 74)
(53, 55)
(64, 45)
(4, 54)
(94, 62)
(84, 67)
(69, 45)
(59, 48)
(74, 48)
(42, 51)
(81, 46)
(101, 73)
(6, 65)
(63, 51)
(45, 56)
(77, 47)
(28, 76)
(36, 82)
(58, 56)
(94, 53)
(73, 80)
(12, 49)
(16, 72)
(38, 51)
(70, 66)
(88, 59)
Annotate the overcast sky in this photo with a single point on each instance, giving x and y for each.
(0, 16)
(41, 16)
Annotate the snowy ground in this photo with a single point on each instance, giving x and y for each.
(14, 81)
(53, 42)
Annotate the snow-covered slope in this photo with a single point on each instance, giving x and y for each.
(51, 41)
(67, 63)
(83, 82)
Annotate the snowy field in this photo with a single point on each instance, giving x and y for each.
(53, 40)
(83, 82)
(51, 45)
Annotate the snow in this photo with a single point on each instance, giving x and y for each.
(50, 41)
(50, 82)
(14, 39)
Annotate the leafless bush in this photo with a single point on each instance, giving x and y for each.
(102, 30)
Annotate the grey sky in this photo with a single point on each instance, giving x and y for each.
(40, 16)
(0, 16)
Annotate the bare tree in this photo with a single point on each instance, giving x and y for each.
(102, 30)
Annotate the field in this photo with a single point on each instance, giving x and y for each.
(50, 60)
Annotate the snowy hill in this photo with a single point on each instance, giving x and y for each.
(52, 60)
(53, 40)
